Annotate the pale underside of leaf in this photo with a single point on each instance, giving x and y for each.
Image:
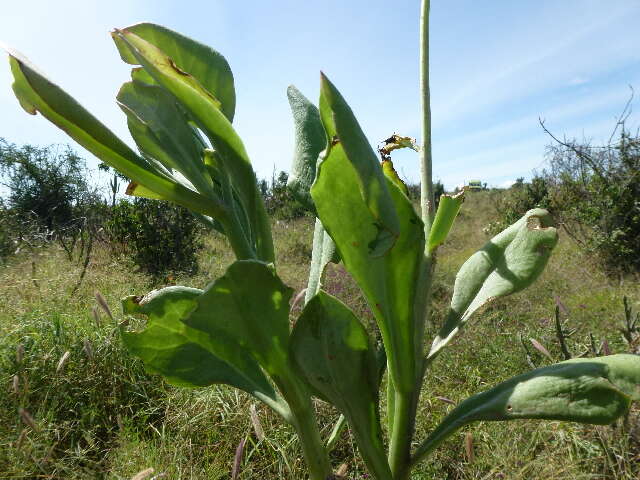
(508, 263)
(586, 390)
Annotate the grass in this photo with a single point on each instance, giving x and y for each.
(101, 416)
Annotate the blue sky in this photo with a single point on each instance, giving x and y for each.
(496, 66)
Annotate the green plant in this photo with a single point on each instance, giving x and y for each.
(595, 191)
(161, 238)
(279, 200)
(237, 330)
(520, 198)
(7, 241)
(46, 183)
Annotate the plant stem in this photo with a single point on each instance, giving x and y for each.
(335, 432)
(304, 421)
(426, 175)
(406, 403)
(315, 271)
(237, 238)
(400, 444)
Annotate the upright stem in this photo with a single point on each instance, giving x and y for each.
(304, 421)
(400, 442)
(406, 403)
(237, 237)
(426, 175)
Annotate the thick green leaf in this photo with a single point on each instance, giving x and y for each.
(388, 281)
(448, 209)
(342, 128)
(38, 94)
(204, 109)
(585, 390)
(168, 128)
(508, 263)
(335, 356)
(206, 65)
(310, 140)
(250, 305)
(186, 356)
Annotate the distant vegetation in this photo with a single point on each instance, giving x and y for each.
(594, 193)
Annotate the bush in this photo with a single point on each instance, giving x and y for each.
(594, 193)
(45, 183)
(160, 237)
(438, 191)
(279, 201)
(518, 199)
(7, 245)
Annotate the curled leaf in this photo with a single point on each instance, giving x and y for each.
(206, 110)
(37, 93)
(508, 263)
(202, 62)
(391, 174)
(585, 390)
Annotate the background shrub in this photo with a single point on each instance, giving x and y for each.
(594, 193)
(160, 237)
(49, 183)
(279, 201)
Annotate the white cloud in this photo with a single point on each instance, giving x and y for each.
(577, 81)
(506, 183)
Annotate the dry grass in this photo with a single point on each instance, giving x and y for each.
(102, 416)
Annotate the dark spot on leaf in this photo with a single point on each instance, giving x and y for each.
(335, 140)
(176, 68)
(131, 188)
